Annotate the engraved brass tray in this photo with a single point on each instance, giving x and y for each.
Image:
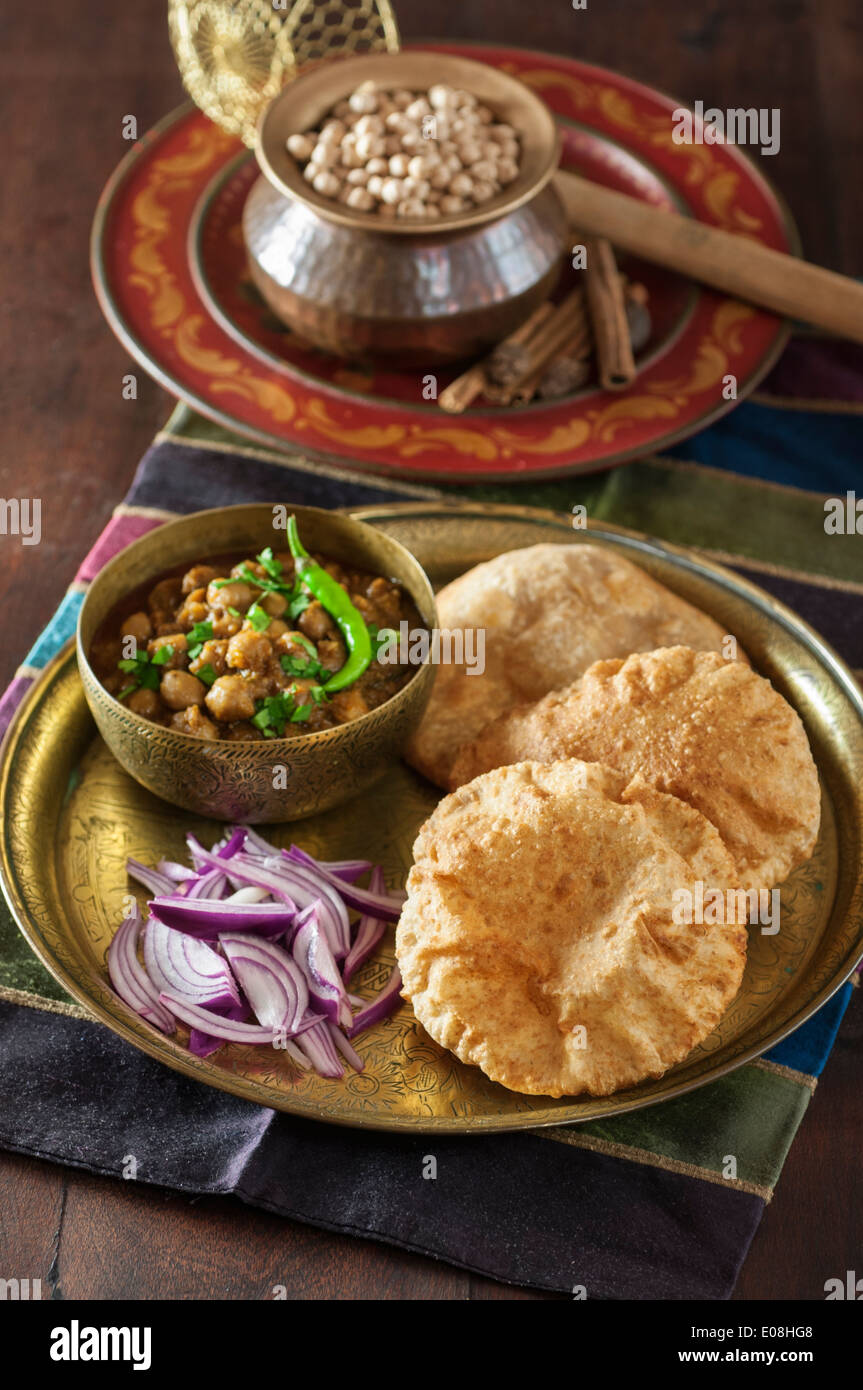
(71, 817)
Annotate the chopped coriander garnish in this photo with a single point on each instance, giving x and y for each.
(258, 617)
(200, 633)
(301, 714)
(144, 670)
(294, 665)
(298, 606)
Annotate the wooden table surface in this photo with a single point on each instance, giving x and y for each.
(68, 77)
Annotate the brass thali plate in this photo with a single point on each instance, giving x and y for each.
(71, 817)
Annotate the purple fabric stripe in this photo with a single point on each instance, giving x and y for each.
(11, 699)
(818, 369)
(516, 1206)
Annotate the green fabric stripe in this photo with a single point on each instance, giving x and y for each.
(686, 504)
(751, 1114)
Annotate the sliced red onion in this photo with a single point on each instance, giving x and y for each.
(381, 904)
(247, 895)
(381, 1007)
(255, 842)
(369, 932)
(312, 953)
(177, 873)
(318, 1046)
(352, 1057)
(181, 963)
(272, 982)
(129, 977)
(228, 1029)
(209, 885)
(347, 869)
(203, 1044)
(234, 843)
(208, 919)
(296, 884)
(152, 879)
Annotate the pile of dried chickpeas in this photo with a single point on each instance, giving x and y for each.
(409, 154)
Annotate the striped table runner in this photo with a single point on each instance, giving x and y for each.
(634, 1207)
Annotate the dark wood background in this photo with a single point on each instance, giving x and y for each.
(69, 73)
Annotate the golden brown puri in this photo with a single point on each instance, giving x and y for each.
(548, 612)
(709, 731)
(538, 939)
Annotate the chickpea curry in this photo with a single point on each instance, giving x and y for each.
(275, 646)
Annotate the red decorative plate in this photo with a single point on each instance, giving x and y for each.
(169, 269)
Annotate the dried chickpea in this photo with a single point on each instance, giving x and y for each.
(418, 109)
(369, 125)
(461, 185)
(364, 103)
(485, 170)
(300, 146)
(327, 185)
(398, 165)
(417, 189)
(360, 198)
(483, 190)
(409, 154)
(369, 147)
(325, 155)
(391, 192)
(442, 97)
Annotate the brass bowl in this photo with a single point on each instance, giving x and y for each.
(426, 292)
(234, 780)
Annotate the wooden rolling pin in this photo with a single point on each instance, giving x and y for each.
(735, 264)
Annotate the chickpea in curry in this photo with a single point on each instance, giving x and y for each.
(243, 650)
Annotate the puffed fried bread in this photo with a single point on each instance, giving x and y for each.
(548, 612)
(539, 939)
(709, 731)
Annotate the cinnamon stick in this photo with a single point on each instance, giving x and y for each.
(460, 393)
(566, 332)
(607, 310)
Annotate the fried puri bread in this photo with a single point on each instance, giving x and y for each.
(548, 612)
(538, 941)
(709, 731)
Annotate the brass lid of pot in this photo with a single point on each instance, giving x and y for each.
(235, 55)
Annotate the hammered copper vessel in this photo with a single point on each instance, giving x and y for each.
(238, 781)
(356, 287)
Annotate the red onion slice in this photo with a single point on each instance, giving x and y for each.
(227, 1029)
(380, 1007)
(369, 932)
(272, 982)
(179, 962)
(129, 978)
(351, 1056)
(318, 1046)
(207, 919)
(152, 879)
(312, 953)
(380, 904)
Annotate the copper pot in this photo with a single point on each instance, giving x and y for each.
(341, 282)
